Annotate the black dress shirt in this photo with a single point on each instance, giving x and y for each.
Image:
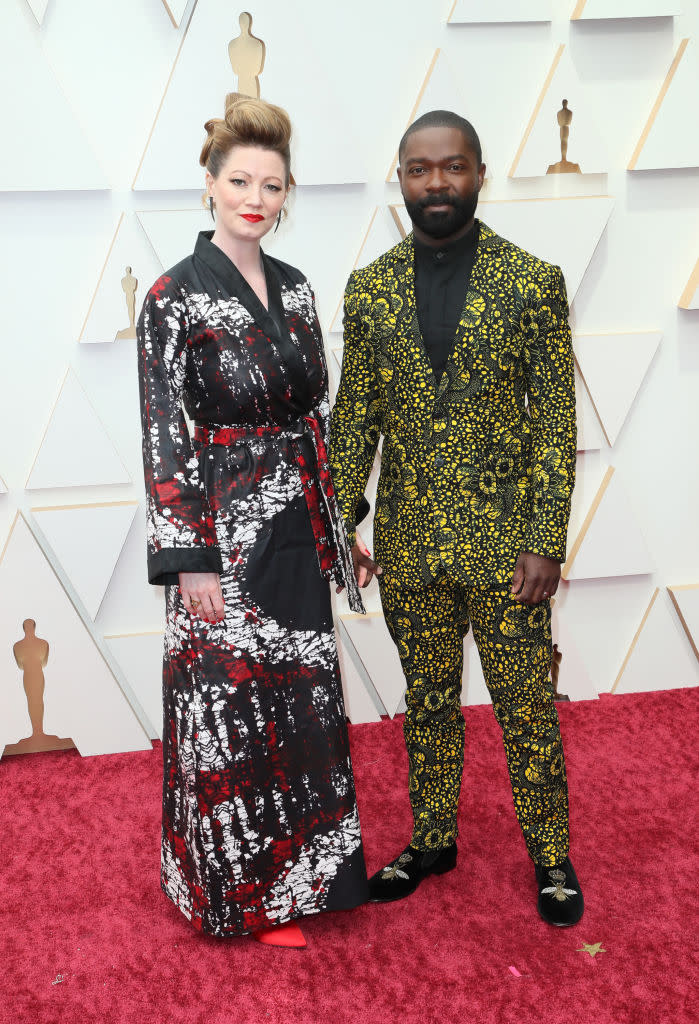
(441, 281)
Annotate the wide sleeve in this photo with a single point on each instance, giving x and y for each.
(180, 528)
(356, 418)
(551, 394)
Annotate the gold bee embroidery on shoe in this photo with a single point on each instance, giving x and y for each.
(393, 871)
(557, 890)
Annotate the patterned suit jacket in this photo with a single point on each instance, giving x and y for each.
(478, 466)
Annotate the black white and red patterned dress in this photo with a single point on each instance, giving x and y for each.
(260, 820)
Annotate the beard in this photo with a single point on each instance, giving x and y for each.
(443, 223)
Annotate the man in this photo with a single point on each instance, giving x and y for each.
(458, 351)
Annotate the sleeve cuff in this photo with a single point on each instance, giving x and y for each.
(363, 510)
(164, 566)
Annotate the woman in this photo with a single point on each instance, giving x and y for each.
(260, 823)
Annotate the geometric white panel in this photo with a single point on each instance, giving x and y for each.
(690, 296)
(564, 232)
(439, 91)
(319, 156)
(176, 8)
(613, 366)
(610, 542)
(76, 450)
(686, 601)
(33, 97)
(670, 138)
(590, 434)
(38, 9)
(588, 9)
(87, 541)
(488, 11)
(660, 656)
(173, 233)
(82, 698)
(541, 144)
(3, 488)
(380, 236)
(574, 679)
(360, 705)
(473, 688)
(109, 314)
(373, 644)
(140, 658)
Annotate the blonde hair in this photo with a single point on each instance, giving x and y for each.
(246, 122)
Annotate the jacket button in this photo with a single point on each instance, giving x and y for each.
(439, 461)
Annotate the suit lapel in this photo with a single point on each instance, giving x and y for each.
(471, 319)
(405, 280)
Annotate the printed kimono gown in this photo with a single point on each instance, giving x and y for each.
(260, 820)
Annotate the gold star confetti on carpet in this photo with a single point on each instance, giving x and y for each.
(593, 950)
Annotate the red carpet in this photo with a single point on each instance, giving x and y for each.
(87, 937)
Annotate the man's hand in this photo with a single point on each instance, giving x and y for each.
(364, 567)
(535, 578)
(202, 596)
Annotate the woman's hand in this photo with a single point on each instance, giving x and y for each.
(202, 595)
(364, 566)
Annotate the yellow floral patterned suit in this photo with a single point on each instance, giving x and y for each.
(475, 469)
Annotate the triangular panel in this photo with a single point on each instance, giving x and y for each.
(292, 73)
(129, 269)
(686, 601)
(590, 433)
(561, 231)
(3, 486)
(597, 9)
(371, 641)
(540, 152)
(360, 704)
(380, 235)
(660, 656)
(38, 8)
(573, 679)
(176, 9)
(610, 542)
(439, 91)
(613, 366)
(33, 97)
(76, 450)
(690, 296)
(668, 139)
(87, 541)
(468, 12)
(82, 698)
(140, 658)
(473, 687)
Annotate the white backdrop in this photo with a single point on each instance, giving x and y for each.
(103, 104)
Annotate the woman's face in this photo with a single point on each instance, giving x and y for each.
(248, 192)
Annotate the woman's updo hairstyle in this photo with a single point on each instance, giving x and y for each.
(247, 122)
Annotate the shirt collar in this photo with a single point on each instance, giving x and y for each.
(450, 252)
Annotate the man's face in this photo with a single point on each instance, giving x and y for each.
(440, 179)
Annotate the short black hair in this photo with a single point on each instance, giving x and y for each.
(444, 119)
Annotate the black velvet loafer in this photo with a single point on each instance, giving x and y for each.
(560, 896)
(403, 875)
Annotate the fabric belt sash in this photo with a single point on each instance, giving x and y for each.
(334, 556)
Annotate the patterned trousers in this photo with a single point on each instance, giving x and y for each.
(428, 626)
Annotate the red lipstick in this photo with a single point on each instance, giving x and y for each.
(254, 218)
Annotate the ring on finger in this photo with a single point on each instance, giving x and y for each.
(194, 603)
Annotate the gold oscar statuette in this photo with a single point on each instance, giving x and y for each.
(247, 56)
(32, 654)
(564, 166)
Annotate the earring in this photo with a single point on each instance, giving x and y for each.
(279, 219)
(211, 207)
